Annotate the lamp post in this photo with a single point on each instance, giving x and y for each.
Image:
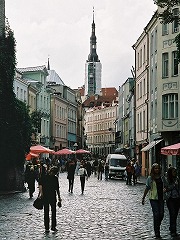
(75, 146)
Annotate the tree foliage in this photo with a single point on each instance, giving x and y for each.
(15, 122)
(36, 121)
(167, 15)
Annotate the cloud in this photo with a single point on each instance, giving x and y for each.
(61, 29)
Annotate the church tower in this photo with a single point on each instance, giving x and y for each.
(93, 67)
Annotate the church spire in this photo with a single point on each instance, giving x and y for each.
(48, 65)
(93, 57)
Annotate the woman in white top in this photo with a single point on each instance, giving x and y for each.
(83, 176)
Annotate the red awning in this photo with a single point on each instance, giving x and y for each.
(171, 150)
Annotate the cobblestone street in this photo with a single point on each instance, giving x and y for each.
(108, 210)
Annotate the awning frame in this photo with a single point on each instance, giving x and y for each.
(151, 145)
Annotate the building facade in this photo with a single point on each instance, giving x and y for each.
(59, 105)
(157, 92)
(168, 88)
(37, 76)
(100, 121)
(125, 129)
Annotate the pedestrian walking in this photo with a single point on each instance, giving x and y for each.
(155, 185)
(88, 168)
(137, 171)
(173, 199)
(83, 176)
(129, 173)
(78, 163)
(71, 166)
(133, 173)
(100, 170)
(106, 171)
(49, 188)
(95, 166)
(30, 179)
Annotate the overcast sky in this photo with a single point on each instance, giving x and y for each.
(61, 29)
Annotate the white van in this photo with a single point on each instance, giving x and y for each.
(117, 165)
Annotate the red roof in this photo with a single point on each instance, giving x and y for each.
(95, 101)
(109, 91)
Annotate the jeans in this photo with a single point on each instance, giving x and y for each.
(71, 183)
(46, 215)
(129, 177)
(173, 205)
(82, 180)
(100, 175)
(106, 175)
(158, 214)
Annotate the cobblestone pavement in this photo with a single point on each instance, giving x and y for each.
(108, 210)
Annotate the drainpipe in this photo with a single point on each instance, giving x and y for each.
(147, 99)
(133, 71)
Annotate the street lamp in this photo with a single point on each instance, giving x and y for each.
(75, 146)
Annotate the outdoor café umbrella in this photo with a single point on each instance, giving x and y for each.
(64, 151)
(40, 149)
(171, 149)
(81, 151)
(31, 155)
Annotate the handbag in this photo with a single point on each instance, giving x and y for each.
(59, 204)
(38, 203)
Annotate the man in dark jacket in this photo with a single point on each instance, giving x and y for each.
(71, 166)
(49, 187)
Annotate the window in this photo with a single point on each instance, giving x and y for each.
(140, 89)
(155, 40)
(144, 54)
(140, 121)
(165, 64)
(174, 64)
(170, 106)
(152, 44)
(175, 23)
(17, 92)
(144, 121)
(165, 30)
(144, 86)
(140, 60)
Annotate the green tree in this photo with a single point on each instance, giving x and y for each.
(167, 16)
(15, 122)
(36, 121)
